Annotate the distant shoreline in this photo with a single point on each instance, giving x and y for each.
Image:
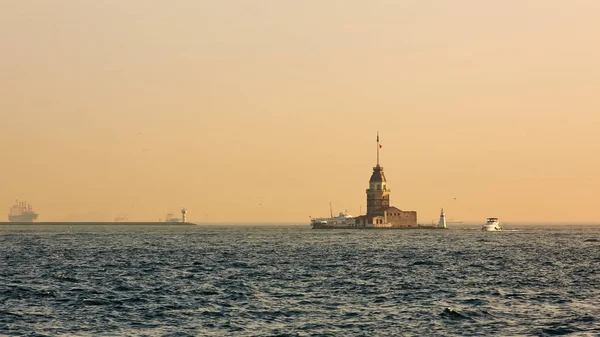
(95, 223)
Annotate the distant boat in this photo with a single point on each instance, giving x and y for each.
(21, 211)
(491, 225)
(342, 220)
(171, 218)
(121, 218)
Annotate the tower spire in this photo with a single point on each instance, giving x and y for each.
(377, 148)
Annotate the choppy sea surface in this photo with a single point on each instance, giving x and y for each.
(294, 281)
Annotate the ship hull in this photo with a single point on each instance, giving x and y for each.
(322, 226)
(23, 218)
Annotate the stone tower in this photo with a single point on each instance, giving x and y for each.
(378, 194)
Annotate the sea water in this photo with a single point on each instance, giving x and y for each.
(293, 281)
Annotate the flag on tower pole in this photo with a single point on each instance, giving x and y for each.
(378, 147)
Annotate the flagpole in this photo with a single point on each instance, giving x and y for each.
(377, 148)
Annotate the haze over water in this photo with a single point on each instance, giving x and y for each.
(266, 111)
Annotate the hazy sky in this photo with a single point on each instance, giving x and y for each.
(268, 110)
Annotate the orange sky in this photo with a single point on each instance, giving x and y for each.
(265, 111)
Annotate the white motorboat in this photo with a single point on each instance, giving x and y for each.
(491, 225)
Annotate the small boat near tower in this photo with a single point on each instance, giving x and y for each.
(342, 220)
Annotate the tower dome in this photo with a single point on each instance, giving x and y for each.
(378, 176)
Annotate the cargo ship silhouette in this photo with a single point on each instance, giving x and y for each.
(21, 211)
